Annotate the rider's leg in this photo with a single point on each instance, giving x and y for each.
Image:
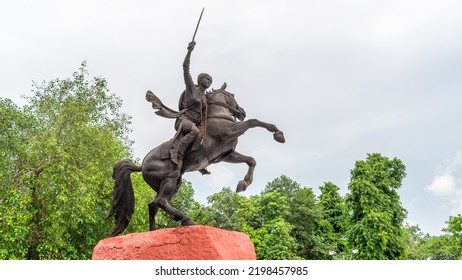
(177, 152)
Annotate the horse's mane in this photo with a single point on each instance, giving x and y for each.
(213, 91)
(220, 90)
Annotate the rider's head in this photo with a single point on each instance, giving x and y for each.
(204, 80)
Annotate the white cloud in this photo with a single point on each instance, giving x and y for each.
(221, 176)
(447, 185)
(444, 185)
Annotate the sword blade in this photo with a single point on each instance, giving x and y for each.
(197, 26)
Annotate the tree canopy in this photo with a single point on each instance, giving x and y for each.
(375, 211)
(57, 157)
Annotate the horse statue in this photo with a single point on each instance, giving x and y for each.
(165, 177)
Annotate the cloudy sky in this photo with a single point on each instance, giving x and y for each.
(341, 78)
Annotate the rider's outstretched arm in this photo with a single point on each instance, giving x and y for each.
(186, 73)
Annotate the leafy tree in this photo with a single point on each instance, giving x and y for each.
(284, 185)
(334, 215)
(415, 241)
(306, 218)
(15, 201)
(267, 207)
(304, 215)
(273, 241)
(268, 228)
(60, 150)
(439, 248)
(226, 210)
(376, 214)
(455, 230)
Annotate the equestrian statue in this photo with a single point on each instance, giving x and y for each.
(208, 125)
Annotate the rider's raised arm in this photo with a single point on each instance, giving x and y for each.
(187, 75)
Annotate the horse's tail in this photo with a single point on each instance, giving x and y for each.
(123, 201)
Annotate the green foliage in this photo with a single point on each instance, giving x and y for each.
(415, 240)
(268, 227)
(226, 210)
(284, 185)
(376, 214)
(306, 218)
(440, 248)
(15, 200)
(297, 206)
(455, 230)
(268, 207)
(334, 225)
(422, 246)
(273, 241)
(58, 153)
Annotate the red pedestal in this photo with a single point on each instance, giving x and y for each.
(182, 243)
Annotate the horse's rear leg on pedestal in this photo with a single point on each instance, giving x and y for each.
(153, 209)
(168, 188)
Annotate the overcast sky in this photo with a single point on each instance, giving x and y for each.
(341, 78)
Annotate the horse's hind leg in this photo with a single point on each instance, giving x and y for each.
(236, 157)
(153, 209)
(168, 188)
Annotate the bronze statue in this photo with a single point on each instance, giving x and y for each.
(207, 133)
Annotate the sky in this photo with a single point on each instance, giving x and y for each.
(341, 79)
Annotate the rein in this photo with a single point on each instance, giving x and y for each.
(204, 119)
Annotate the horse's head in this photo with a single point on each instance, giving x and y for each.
(225, 99)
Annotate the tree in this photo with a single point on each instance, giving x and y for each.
(284, 185)
(439, 248)
(334, 214)
(304, 215)
(268, 227)
(415, 240)
(454, 228)
(60, 151)
(273, 241)
(226, 210)
(375, 210)
(15, 201)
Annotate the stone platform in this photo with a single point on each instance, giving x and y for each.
(182, 243)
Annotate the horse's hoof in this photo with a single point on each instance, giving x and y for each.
(279, 136)
(188, 222)
(241, 186)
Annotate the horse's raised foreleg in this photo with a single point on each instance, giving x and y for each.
(240, 128)
(236, 157)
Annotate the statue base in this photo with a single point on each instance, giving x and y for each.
(182, 243)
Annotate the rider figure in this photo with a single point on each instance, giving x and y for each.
(194, 102)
